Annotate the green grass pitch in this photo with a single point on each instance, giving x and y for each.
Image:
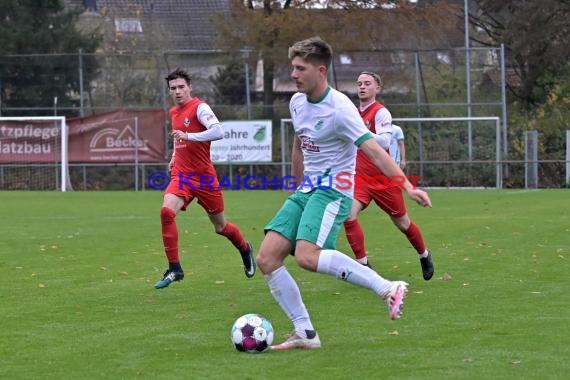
(77, 272)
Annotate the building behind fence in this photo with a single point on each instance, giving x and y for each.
(417, 84)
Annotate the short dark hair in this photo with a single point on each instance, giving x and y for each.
(178, 73)
(313, 49)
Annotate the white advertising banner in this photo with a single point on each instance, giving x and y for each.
(244, 141)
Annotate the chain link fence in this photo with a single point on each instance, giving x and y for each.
(425, 83)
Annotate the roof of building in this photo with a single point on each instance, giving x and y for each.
(175, 25)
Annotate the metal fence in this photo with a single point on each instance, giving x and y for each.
(423, 83)
(419, 83)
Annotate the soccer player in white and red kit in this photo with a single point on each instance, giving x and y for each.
(385, 194)
(193, 176)
(328, 132)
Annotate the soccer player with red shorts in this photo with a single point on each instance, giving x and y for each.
(193, 176)
(374, 186)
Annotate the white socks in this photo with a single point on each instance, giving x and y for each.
(344, 268)
(286, 292)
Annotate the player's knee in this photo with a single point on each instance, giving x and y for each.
(221, 225)
(262, 262)
(267, 262)
(306, 259)
(403, 223)
(167, 215)
(349, 221)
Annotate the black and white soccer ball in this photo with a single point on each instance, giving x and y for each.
(252, 333)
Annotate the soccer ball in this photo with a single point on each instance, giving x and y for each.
(252, 333)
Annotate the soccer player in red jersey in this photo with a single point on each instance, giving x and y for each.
(193, 176)
(387, 196)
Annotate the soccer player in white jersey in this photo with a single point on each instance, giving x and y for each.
(398, 146)
(328, 132)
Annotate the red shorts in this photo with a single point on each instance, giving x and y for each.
(209, 197)
(389, 199)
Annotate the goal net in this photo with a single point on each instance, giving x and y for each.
(448, 152)
(33, 153)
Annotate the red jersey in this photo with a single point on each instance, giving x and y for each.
(363, 164)
(191, 158)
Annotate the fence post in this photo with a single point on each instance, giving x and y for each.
(468, 78)
(504, 110)
(568, 157)
(283, 147)
(531, 159)
(84, 177)
(81, 105)
(498, 160)
(247, 91)
(418, 102)
(136, 153)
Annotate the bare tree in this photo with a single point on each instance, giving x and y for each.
(536, 34)
(267, 28)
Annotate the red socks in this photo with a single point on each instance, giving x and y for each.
(169, 234)
(414, 235)
(232, 232)
(355, 238)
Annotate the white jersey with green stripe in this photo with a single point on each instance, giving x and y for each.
(330, 130)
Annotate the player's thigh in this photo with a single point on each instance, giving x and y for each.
(182, 191)
(286, 221)
(362, 195)
(272, 251)
(391, 200)
(323, 216)
(212, 201)
(173, 202)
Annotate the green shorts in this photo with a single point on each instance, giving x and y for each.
(316, 216)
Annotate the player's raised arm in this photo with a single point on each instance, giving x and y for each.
(389, 167)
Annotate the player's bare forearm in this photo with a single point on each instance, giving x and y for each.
(389, 167)
(383, 160)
